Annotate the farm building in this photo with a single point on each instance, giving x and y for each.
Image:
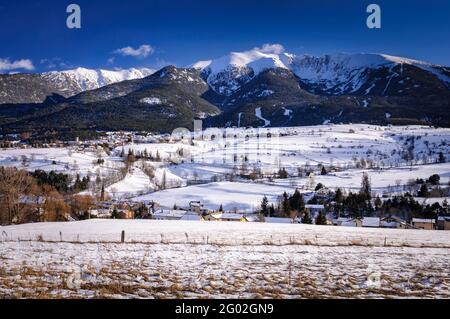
(421, 223)
(443, 223)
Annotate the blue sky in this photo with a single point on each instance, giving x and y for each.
(181, 32)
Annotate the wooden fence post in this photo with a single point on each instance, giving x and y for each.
(123, 236)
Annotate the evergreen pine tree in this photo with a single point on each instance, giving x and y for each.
(285, 205)
(164, 181)
(282, 173)
(366, 188)
(423, 192)
(441, 157)
(271, 210)
(265, 206)
(319, 186)
(339, 199)
(445, 206)
(306, 219)
(115, 214)
(77, 186)
(321, 219)
(102, 194)
(297, 201)
(378, 203)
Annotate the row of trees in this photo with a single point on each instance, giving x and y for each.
(39, 196)
(288, 206)
(61, 182)
(360, 204)
(133, 156)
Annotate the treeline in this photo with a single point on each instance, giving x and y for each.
(292, 206)
(61, 182)
(40, 196)
(133, 156)
(358, 204)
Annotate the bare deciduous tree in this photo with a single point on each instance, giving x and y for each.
(14, 185)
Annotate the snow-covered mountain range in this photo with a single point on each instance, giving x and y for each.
(81, 79)
(35, 88)
(333, 74)
(259, 87)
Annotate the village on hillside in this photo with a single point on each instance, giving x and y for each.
(343, 175)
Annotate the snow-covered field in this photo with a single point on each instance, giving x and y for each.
(136, 182)
(61, 160)
(391, 155)
(232, 195)
(380, 179)
(167, 259)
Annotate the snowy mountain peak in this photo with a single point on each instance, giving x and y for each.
(269, 56)
(200, 65)
(226, 74)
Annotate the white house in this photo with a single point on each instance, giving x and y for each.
(228, 217)
(169, 214)
(348, 222)
(373, 222)
(394, 222)
(278, 220)
(100, 213)
(191, 217)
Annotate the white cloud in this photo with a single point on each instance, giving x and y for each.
(54, 63)
(141, 52)
(111, 60)
(7, 65)
(271, 48)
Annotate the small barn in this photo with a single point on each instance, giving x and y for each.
(421, 223)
